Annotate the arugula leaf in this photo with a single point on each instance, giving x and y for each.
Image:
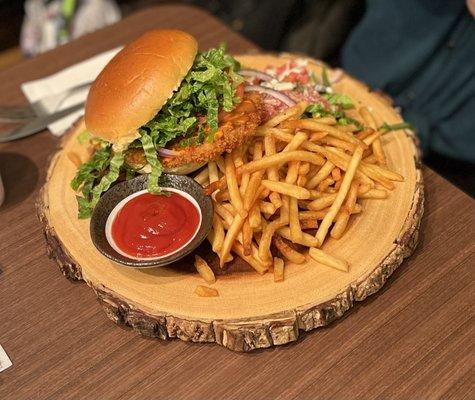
(319, 111)
(152, 159)
(325, 80)
(395, 127)
(338, 99)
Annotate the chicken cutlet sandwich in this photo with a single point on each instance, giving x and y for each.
(161, 106)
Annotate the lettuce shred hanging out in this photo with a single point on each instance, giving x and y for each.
(209, 87)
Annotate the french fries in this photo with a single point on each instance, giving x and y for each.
(287, 189)
(204, 270)
(331, 261)
(205, 291)
(288, 252)
(278, 269)
(294, 177)
(340, 197)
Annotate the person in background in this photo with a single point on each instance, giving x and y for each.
(50, 23)
(422, 53)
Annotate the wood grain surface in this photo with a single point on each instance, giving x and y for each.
(414, 339)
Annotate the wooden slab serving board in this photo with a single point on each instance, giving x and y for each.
(251, 311)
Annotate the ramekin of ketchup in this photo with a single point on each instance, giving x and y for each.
(148, 226)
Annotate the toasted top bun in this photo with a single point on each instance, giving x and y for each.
(136, 84)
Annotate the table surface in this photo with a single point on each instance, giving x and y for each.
(414, 339)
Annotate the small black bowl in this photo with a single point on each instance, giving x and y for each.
(124, 189)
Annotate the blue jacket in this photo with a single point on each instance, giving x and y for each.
(422, 53)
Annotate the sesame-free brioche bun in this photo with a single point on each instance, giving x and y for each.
(137, 82)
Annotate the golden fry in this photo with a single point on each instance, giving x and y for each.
(291, 112)
(213, 171)
(224, 213)
(318, 215)
(323, 185)
(218, 230)
(220, 163)
(317, 136)
(336, 174)
(288, 252)
(246, 237)
(328, 260)
(205, 291)
(232, 183)
(301, 181)
(251, 260)
(278, 269)
(266, 239)
(374, 194)
(204, 270)
(304, 168)
(222, 195)
(275, 199)
(255, 217)
(287, 189)
(338, 133)
(294, 223)
(340, 224)
(322, 174)
(296, 141)
(292, 172)
(340, 197)
(203, 177)
(306, 240)
(230, 238)
(267, 208)
(309, 224)
(322, 202)
(379, 152)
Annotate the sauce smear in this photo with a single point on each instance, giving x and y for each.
(150, 226)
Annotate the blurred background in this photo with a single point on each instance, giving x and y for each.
(420, 52)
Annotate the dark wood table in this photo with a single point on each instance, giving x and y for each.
(414, 339)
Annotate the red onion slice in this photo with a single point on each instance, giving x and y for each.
(336, 76)
(167, 153)
(271, 92)
(255, 74)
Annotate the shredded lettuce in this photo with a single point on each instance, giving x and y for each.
(209, 86)
(87, 177)
(152, 159)
(91, 170)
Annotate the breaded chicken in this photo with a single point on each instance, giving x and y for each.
(234, 129)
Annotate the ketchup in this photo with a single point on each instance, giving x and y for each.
(150, 226)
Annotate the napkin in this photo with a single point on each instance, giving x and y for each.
(77, 74)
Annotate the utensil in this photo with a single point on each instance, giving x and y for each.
(38, 124)
(124, 189)
(41, 107)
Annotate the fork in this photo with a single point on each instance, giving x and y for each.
(12, 114)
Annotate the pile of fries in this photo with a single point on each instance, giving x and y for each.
(295, 183)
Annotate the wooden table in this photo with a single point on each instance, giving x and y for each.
(414, 339)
